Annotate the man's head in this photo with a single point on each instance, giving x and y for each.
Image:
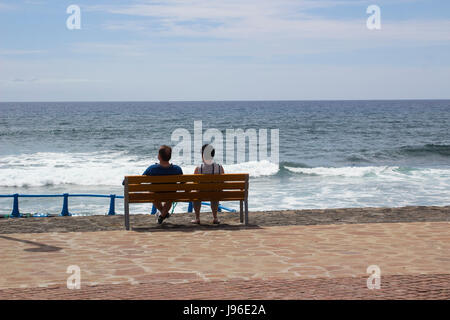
(164, 153)
(208, 153)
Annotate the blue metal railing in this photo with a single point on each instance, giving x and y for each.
(65, 208)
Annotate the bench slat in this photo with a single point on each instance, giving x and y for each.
(187, 186)
(186, 196)
(188, 178)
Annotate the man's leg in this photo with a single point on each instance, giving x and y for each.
(166, 208)
(158, 205)
(197, 206)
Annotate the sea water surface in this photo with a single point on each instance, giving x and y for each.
(332, 154)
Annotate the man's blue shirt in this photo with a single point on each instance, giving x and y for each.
(158, 170)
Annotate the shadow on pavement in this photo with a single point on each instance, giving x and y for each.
(40, 247)
(193, 228)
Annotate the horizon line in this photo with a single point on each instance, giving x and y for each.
(231, 100)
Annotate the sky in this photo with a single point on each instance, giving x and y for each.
(171, 50)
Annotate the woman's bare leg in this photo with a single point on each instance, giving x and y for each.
(214, 209)
(197, 206)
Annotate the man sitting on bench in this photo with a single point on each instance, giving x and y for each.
(163, 168)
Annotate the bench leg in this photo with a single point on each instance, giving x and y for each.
(246, 212)
(241, 213)
(127, 215)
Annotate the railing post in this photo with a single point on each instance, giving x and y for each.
(190, 207)
(112, 205)
(15, 211)
(65, 208)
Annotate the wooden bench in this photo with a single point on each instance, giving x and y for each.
(186, 188)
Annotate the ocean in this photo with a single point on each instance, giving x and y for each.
(332, 154)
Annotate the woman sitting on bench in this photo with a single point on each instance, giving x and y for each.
(207, 167)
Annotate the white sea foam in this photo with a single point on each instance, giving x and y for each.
(254, 168)
(46, 168)
(320, 187)
(107, 169)
(93, 169)
(393, 172)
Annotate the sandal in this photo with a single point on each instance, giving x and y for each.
(195, 221)
(216, 221)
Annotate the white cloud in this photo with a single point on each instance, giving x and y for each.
(264, 20)
(151, 81)
(20, 52)
(129, 49)
(4, 6)
(61, 80)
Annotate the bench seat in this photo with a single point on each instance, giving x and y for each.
(187, 188)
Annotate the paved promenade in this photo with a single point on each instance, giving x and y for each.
(274, 262)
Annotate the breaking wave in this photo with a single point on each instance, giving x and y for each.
(94, 168)
(371, 171)
(108, 169)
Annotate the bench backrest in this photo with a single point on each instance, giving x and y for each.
(187, 187)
